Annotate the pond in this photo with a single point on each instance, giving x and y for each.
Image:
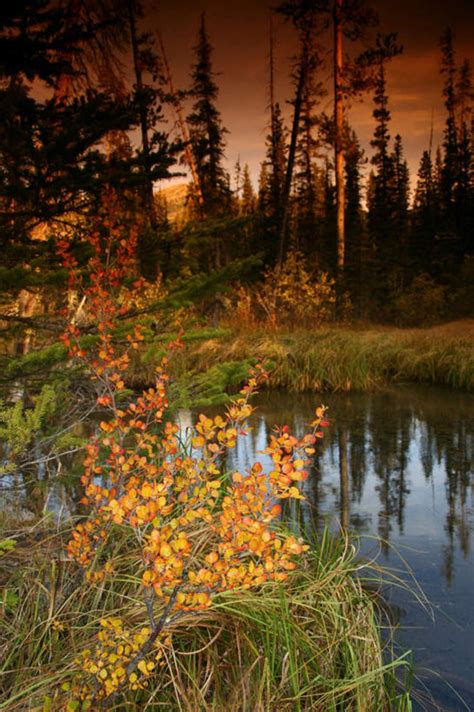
(395, 468)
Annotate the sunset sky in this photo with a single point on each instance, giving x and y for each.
(239, 33)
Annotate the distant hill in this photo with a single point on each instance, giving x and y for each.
(175, 196)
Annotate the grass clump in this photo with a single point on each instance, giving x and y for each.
(311, 643)
(342, 359)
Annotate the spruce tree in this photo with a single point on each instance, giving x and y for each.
(238, 186)
(358, 257)
(382, 205)
(263, 196)
(306, 198)
(450, 143)
(276, 157)
(206, 129)
(304, 20)
(424, 213)
(271, 185)
(456, 177)
(155, 155)
(248, 200)
(464, 189)
(401, 197)
(350, 19)
(326, 254)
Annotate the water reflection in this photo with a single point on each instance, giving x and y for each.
(399, 465)
(40, 481)
(384, 453)
(410, 447)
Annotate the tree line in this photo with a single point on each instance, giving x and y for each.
(85, 91)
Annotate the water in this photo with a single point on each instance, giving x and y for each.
(395, 468)
(398, 466)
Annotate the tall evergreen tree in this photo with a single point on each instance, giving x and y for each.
(382, 205)
(401, 197)
(464, 189)
(206, 129)
(450, 143)
(271, 199)
(304, 17)
(326, 253)
(358, 258)
(351, 20)
(263, 196)
(276, 156)
(424, 213)
(155, 155)
(456, 178)
(248, 200)
(307, 181)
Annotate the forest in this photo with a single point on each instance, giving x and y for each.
(146, 278)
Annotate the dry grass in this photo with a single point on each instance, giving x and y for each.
(336, 358)
(313, 643)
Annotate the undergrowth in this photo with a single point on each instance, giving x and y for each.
(312, 643)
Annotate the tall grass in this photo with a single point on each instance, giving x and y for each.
(311, 644)
(339, 359)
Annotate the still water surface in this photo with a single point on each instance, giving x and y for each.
(395, 468)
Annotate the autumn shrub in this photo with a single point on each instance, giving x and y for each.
(192, 530)
(181, 588)
(312, 642)
(287, 296)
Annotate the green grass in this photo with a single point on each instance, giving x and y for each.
(313, 643)
(338, 358)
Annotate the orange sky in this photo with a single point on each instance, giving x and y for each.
(239, 33)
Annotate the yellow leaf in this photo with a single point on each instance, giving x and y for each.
(142, 667)
(165, 551)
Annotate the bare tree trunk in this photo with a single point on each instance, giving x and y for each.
(271, 78)
(338, 141)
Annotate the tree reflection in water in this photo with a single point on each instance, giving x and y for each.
(384, 454)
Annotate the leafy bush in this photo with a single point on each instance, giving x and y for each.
(193, 530)
(422, 304)
(286, 296)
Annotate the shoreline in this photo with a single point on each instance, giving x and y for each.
(330, 359)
